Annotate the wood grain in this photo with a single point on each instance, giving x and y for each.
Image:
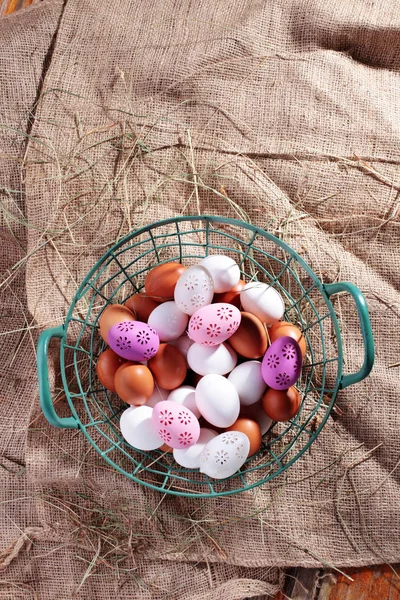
(9, 6)
(377, 583)
(369, 583)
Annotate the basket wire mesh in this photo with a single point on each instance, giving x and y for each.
(122, 271)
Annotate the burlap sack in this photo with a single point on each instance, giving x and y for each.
(24, 46)
(293, 108)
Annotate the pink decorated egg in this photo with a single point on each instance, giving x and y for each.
(175, 424)
(213, 324)
(281, 364)
(133, 340)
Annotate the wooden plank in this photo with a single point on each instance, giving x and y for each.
(374, 583)
(300, 584)
(7, 7)
(370, 583)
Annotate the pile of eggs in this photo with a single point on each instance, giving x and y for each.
(204, 362)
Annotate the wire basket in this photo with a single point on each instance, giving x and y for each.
(260, 255)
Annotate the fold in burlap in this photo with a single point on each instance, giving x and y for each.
(291, 107)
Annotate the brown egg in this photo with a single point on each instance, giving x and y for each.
(134, 383)
(251, 429)
(166, 448)
(161, 280)
(250, 339)
(168, 367)
(281, 405)
(107, 365)
(256, 413)
(282, 329)
(232, 296)
(141, 306)
(113, 314)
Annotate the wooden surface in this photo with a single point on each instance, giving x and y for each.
(369, 583)
(374, 583)
(9, 6)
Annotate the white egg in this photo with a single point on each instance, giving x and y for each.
(248, 381)
(190, 457)
(222, 456)
(258, 414)
(204, 360)
(168, 321)
(224, 271)
(158, 395)
(185, 395)
(194, 289)
(137, 428)
(183, 343)
(217, 400)
(263, 301)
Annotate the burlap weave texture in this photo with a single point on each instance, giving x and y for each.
(293, 108)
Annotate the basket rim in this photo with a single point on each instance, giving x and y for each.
(208, 219)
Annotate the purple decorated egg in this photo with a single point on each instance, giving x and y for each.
(213, 324)
(281, 364)
(175, 424)
(133, 340)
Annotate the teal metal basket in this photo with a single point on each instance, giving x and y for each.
(121, 272)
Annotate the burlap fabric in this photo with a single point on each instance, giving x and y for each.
(293, 108)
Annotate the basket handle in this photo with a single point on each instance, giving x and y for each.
(46, 401)
(365, 324)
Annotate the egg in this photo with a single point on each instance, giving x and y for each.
(134, 383)
(251, 429)
(111, 315)
(204, 360)
(137, 428)
(190, 457)
(263, 301)
(183, 343)
(282, 329)
(168, 321)
(232, 296)
(281, 405)
(250, 339)
(133, 340)
(248, 381)
(107, 365)
(175, 424)
(185, 396)
(214, 324)
(194, 289)
(256, 413)
(161, 280)
(222, 456)
(166, 449)
(168, 367)
(281, 365)
(217, 400)
(158, 395)
(141, 306)
(207, 425)
(224, 271)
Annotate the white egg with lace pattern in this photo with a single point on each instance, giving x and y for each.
(222, 456)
